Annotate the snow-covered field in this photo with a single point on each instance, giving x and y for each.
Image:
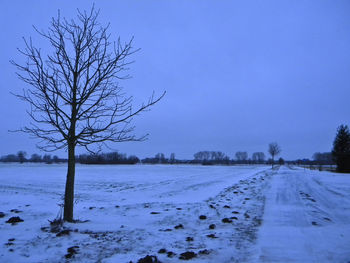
(219, 213)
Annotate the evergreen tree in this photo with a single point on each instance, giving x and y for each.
(341, 149)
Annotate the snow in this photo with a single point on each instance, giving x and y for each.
(280, 215)
(307, 218)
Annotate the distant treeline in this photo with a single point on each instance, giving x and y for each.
(202, 157)
(20, 157)
(107, 158)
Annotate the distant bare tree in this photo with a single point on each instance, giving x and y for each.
(35, 158)
(160, 157)
(274, 150)
(258, 157)
(241, 156)
(47, 158)
(217, 156)
(74, 97)
(202, 156)
(211, 156)
(172, 158)
(21, 156)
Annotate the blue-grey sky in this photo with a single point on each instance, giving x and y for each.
(238, 74)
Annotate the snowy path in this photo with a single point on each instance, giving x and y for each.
(307, 218)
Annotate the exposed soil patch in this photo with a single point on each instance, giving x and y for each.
(226, 220)
(204, 252)
(14, 220)
(71, 251)
(149, 259)
(179, 226)
(189, 239)
(162, 251)
(187, 255)
(64, 232)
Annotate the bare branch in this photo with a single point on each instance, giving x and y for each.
(74, 95)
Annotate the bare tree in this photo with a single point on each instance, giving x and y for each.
(160, 157)
(258, 157)
(172, 158)
(241, 157)
(74, 98)
(21, 156)
(35, 158)
(274, 150)
(202, 156)
(211, 156)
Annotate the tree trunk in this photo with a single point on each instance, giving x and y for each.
(69, 193)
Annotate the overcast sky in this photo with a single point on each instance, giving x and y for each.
(238, 74)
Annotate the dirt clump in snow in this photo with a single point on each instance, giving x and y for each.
(202, 217)
(72, 251)
(55, 226)
(149, 259)
(212, 226)
(204, 252)
(64, 232)
(14, 220)
(15, 211)
(187, 255)
(2, 214)
(189, 239)
(166, 230)
(179, 226)
(226, 220)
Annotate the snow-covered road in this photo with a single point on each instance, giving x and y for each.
(214, 213)
(306, 219)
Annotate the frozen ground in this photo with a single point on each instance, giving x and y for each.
(256, 214)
